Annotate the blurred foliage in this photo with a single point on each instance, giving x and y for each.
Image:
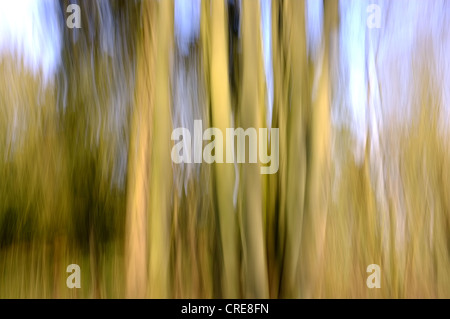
(87, 177)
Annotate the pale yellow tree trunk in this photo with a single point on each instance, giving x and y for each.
(319, 160)
(139, 157)
(251, 184)
(161, 170)
(295, 43)
(216, 42)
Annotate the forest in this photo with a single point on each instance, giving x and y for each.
(355, 93)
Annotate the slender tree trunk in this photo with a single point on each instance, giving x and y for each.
(251, 116)
(161, 170)
(319, 160)
(294, 41)
(216, 42)
(139, 157)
